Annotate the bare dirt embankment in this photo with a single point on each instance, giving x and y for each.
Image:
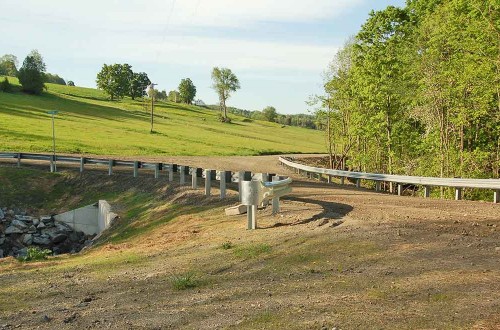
(336, 256)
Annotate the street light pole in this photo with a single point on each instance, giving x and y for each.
(150, 90)
(53, 167)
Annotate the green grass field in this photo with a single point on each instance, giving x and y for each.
(88, 123)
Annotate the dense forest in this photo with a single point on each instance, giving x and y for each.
(417, 92)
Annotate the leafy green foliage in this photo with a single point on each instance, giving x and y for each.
(54, 79)
(71, 83)
(115, 80)
(35, 254)
(8, 65)
(138, 84)
(5, 86)
(224, 82)
(174, 96)
(417, 92)
(270, 114)
(32, 74)
(187, 91)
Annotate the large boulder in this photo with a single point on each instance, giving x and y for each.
(13, 230)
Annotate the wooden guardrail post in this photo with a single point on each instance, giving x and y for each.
(358, 183)
(342, 180)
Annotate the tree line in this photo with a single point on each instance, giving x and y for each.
(417, 92)
(31, 75)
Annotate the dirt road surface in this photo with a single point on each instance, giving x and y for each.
(336, 257)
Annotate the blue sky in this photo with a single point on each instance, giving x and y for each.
(278, 49)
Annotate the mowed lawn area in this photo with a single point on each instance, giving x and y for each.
(89, 123)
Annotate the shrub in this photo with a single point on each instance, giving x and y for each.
(184, 281)
(35, 253)
(227, 245)
(5, 85)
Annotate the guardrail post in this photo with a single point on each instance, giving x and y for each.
(358, 183)
(194, 178)
(52, 164)
(222, 177)
(82, 164)
(241, 175)
(18, 160)
(276, 200)
(182, 178)
(252, 216)
(329, 179)
(157, 170)
(458, 194)
(136, 168)
(342, 179)
(208, 182)
(400, 189)
(110, 166)
(427, 191)
(496, 196)
(377, 186)
(170, 172)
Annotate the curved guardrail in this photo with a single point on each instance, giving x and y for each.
(427, 182)
(254, 188)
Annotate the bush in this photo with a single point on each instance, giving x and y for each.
(35, 253)
(184, 281)
(5, 85)
(227, 245)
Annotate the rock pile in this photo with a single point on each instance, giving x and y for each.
(18, 231)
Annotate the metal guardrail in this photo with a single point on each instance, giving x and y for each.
(257, 192)
(426, 182)
(266, 190)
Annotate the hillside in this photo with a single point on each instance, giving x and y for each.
(88, 123)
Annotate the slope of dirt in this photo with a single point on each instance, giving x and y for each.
(335, 256)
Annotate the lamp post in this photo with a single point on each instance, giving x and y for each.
(150, 90)
(53, 167)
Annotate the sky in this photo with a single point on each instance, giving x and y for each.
(278, 49)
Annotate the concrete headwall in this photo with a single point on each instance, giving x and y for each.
(105, 216)
(90, 219)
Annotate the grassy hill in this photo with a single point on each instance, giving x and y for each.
(88, 123)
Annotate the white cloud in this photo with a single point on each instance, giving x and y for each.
(185, 13)
(209, 52)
